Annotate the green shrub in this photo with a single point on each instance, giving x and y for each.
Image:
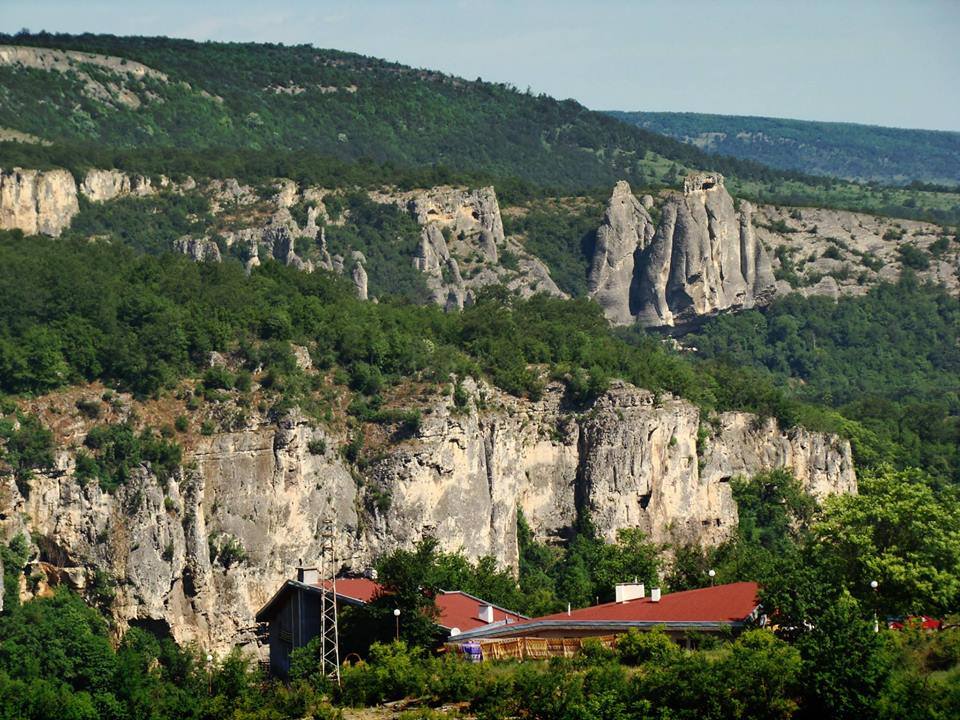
(226, 549)
(635, 647)
(913, 257)
(118, 450)
(27, 446)
(461, 397)
(392, 672)
(89, 408)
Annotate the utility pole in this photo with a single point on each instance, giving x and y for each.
(329, 633)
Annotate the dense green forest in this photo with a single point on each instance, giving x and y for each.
(865, 153)
(225, 95)
(246, 101)
(881, 369)
(889, 360)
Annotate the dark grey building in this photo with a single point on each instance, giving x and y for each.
(293, 613)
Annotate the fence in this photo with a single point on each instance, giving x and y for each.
(526, 648)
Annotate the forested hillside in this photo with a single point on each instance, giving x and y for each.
(889, 360)
(246, 102)
(240, 318)
(865, 153)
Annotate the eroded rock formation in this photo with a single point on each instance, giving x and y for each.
(627, 229)
(106, 185)
(466, 224)
(265, 488)
(702, 258)
(199, 249)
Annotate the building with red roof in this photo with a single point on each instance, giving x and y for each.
(293, 613)
(713, 609)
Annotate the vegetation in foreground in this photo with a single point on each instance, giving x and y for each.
(820, 658)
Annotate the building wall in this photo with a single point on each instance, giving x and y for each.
(295, 624)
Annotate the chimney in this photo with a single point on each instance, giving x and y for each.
(308, 575)
(629, 591)
(654, 594)
(486, 613)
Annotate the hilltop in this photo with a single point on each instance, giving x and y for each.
(862, 153)
(250, 104)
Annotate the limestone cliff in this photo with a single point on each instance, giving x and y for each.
(200, 552)
(104, 185)
(461, 243)
(37, 201)
(703, 257)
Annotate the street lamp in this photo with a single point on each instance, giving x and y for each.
(209, 675)
(876, 620)
(712, 573)
(396, 616)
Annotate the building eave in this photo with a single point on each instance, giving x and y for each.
(598, 625)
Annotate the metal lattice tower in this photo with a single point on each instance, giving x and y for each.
(329, 634)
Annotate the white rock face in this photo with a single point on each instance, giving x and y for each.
(199, 249)
(630, 461)
(359, 275)
(36, 201)
(461, 225)
(626, 230)
(104, 185)
(702, 258)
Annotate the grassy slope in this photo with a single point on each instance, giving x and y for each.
(846, 150)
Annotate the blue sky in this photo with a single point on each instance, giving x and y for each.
(879, 62)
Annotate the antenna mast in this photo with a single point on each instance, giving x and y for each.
(329, 634)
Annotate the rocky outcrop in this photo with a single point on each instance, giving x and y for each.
(471, 216)
(837, 252)
(461, 243)
(199, 553)
(626, 230)
(704, 257)
(116, 81)
(199, 249)
(277, 238)
(37, 201)
(105, 185)
(359, 274)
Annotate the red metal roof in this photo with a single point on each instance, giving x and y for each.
(921, 622)
(461, 610)
(722, 603)
(457, 609)
(359, 589)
